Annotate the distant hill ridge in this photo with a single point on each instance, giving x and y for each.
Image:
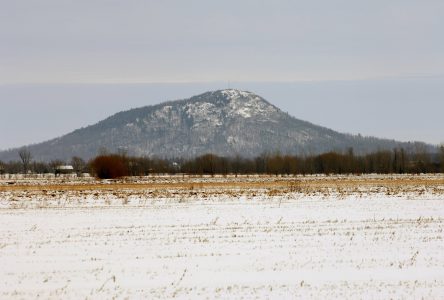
(226, 122)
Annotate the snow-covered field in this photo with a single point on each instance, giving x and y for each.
(355, 241)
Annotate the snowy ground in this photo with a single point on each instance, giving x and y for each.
(362, 242)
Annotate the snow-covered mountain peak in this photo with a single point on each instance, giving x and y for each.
(246, 104)
(229, 103)
(233, 94)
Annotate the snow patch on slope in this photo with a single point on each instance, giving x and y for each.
(247, 104)
(204, 113)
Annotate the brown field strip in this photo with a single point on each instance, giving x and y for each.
(210, 185)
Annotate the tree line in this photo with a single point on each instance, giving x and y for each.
(384, 162)
(118, 165)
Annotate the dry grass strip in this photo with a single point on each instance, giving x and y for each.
(255, 184)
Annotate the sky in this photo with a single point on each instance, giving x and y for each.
(369, 67)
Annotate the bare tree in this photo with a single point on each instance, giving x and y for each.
(54, 164)
(441, 150)
(25, 156)
(78, 165)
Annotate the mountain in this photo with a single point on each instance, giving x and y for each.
(226, 122)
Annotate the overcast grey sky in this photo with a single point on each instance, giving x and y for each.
(203, 40)
(59, 57)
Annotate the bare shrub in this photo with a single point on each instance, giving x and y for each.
(109, 166)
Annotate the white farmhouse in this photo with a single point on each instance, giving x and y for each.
(66, 169)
